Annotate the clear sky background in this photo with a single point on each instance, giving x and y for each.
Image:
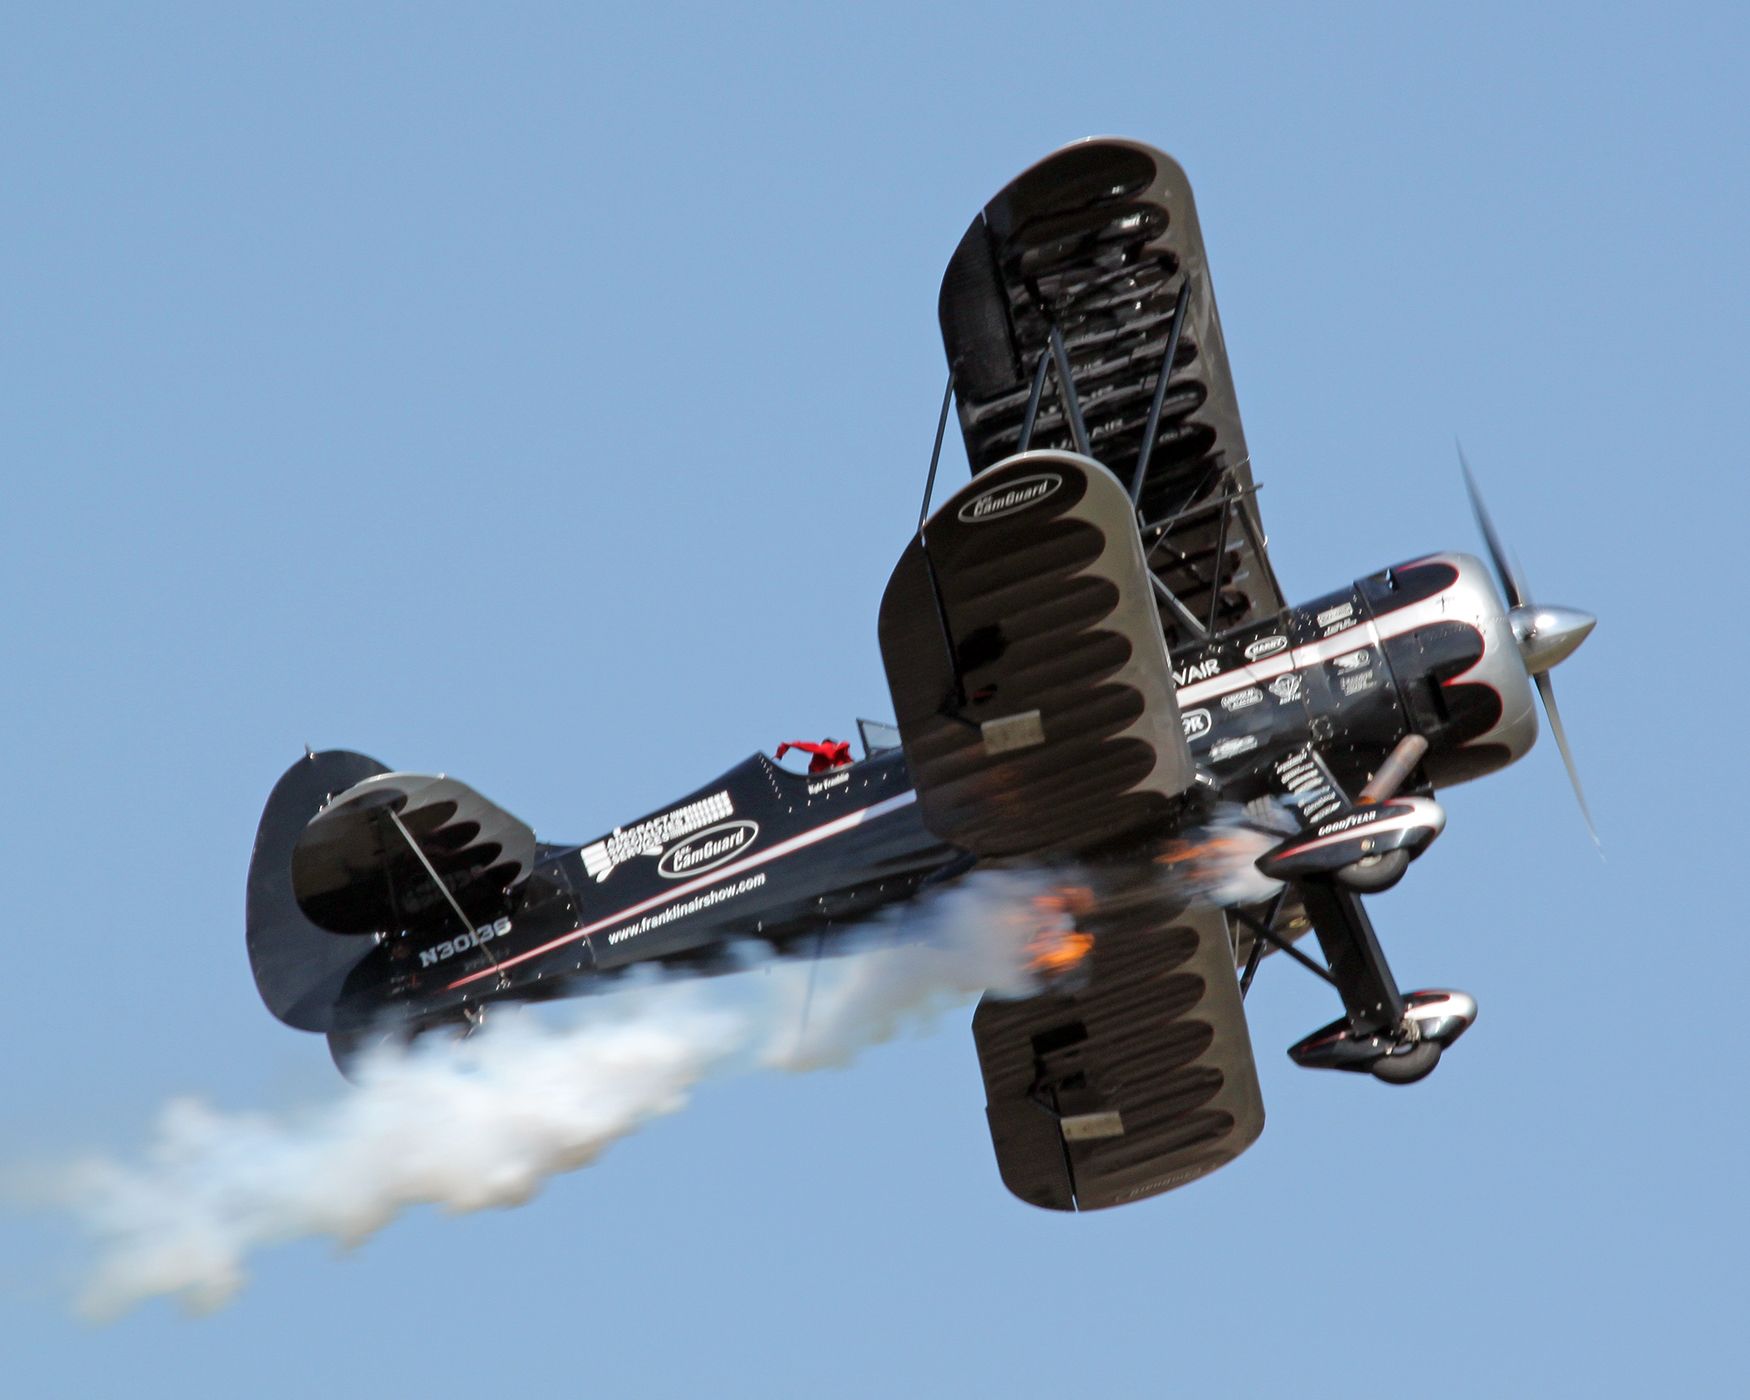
(542, 396)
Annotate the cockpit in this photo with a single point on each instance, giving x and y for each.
(829, 753)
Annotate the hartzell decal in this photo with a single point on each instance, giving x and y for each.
(648, 838)
(1006, 500)
(1336, 614)
(709, 849)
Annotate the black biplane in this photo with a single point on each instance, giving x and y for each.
(1088, 651)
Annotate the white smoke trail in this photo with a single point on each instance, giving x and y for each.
(483, 1122)
(974, 938)
(466, 1125)
(463, 1125)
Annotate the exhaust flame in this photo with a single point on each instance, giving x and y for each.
(1216, 863)
(1058, 945)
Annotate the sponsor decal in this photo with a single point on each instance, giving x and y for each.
(1160, 1183)
(694, 905)
(1365, 817)
(1355, 685)
(1265, 646)
(1342, 626)
(1233, 748)
(451, 947)
(1353, 660)
(1286, 688)
(709, 849)
(1242, 699)
(648, 838)
(1197, 723)
(1305, 785)
(1007, 500)
(1202, 671)
(1336, 614)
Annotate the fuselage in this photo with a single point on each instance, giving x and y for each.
(790, 858)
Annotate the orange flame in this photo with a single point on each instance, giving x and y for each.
(1059, 945)
(1178, 852)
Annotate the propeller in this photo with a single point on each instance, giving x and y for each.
(1547, 635)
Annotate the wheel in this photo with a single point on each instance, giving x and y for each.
(1407, 1066)
(1371, 874)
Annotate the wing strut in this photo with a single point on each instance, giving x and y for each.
(443, 889)
(1066, 391)
(1033, 397)
(1178, 609)
(1257, 954)
(1262, 929)
(1160, 398)
(936, 453)
(924, 548)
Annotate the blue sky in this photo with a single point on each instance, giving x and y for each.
(543, 397)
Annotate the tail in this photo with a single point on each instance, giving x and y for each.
(299, 968)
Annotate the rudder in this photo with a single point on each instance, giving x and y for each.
(299, 968)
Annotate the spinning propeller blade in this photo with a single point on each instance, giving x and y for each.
(1546, 634)
(1548, 692)
(1505, 567)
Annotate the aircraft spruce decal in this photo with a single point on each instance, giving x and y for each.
(648, 838)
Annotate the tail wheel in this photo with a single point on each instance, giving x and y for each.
(1407, 1066)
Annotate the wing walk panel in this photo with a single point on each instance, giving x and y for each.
(1140, 1081)
(1098, 239)
(1039, 613)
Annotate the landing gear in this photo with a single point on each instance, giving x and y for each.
(1408, 1063)
(1401, 1055)
(1398, 1038)
(1372, 874)
(1359, 847)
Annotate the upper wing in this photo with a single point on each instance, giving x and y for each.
(1029, 675)
(1098, 240)
(1141, 1080)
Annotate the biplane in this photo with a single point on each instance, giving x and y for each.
(1088, 654)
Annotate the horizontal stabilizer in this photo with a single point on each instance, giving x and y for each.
(373, 858)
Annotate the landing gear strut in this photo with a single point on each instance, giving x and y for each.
(1396, 1037)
